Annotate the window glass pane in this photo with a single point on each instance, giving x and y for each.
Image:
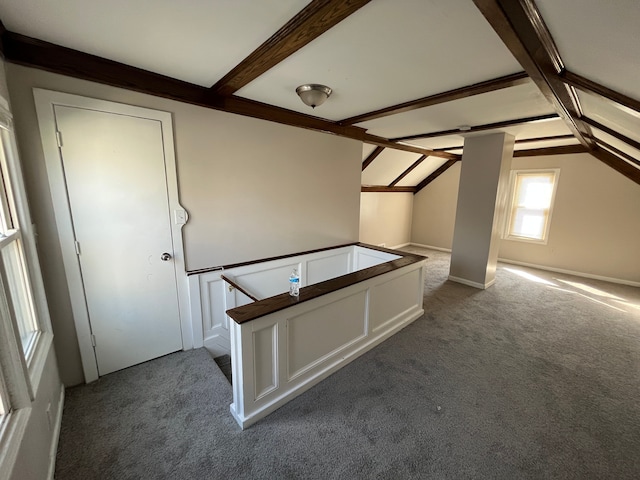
(528, 223)
(535, 191)
(6, 202)
(531, 204)
(15, 268)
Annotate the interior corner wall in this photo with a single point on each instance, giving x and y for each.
(594, 228)
(385, 218)
(595, 225)
(253, 188)
(434, 210)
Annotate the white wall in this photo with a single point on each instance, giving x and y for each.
(385, 218)
(253, 188)
(595, 224)
(434, 210)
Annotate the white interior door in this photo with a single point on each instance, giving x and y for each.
(114, 166)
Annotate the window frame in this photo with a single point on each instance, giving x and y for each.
(511, 206)
(21, 368)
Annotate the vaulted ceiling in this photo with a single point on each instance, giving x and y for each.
(411, 78)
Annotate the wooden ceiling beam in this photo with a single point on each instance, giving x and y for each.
(559, 150)
(443, 168)
(408, 170)
(32, 52)
(35, 53)
(623, 138)
(615, 98)
(455, 94)
(372, 156)
(520, 26)
(477, 128)
(618, 164)
(385, 142)
(522, 140)
(617, 152)
(263, 111)
(311, 22)
(385, 189)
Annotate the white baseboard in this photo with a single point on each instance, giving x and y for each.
(464, 281)
(56, 436)
(620, 281)
(571, 272)
(400, 246)
(430, 247)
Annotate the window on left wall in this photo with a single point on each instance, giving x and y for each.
(13, 265)
(24, 328)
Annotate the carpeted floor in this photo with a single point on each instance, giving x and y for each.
(533, 378)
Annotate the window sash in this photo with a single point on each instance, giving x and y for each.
(20, 294)
(14, 266)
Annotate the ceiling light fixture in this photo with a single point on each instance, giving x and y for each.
(313, 94)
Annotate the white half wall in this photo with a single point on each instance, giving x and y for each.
(385, 218)
(253, 189)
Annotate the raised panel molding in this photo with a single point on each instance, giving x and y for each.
(265, 360)
(393, 298)
(301, 345)
(333, 327)
(321, 269)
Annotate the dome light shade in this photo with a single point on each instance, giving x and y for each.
(313, 94)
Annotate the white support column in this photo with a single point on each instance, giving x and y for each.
(482, 200)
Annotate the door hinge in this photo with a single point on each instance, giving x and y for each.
(59, 138)
(93, 340)
(77, 245)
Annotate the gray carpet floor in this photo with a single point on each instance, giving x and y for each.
(536, 377)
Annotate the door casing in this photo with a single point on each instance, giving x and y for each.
(45, 101)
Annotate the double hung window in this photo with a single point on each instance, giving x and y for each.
(529, 213)
(20, 330)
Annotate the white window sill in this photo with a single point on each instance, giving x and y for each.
(526, 240)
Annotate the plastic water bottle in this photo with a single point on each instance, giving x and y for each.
(294, 283)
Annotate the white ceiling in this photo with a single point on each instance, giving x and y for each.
(542, 128)
(618, 119)
(197, 41)
(500, 105)
(598, 39)
(422, 171)
(387, 167)
(388, 52)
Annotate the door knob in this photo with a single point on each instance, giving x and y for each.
(165, 257)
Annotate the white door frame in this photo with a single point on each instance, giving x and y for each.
(45, 100)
